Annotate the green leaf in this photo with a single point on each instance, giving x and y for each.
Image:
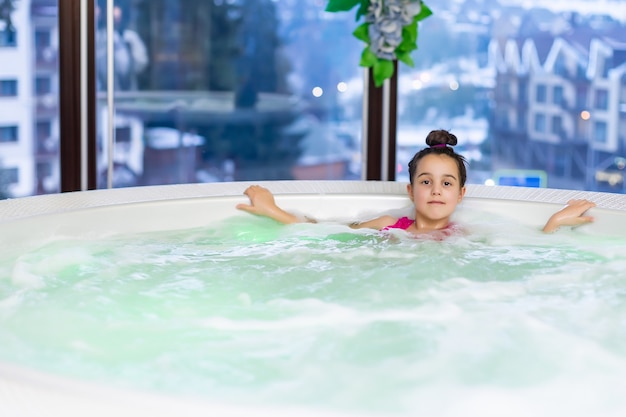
(362, 33)
(382, 70)
(406, 58)
(423, 14)
(409, 33)
(409, 39)
(362, 9)
(341, 5)
(368, 58)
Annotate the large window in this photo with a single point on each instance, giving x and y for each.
(483, 48)
(271, 89)
(232, 90)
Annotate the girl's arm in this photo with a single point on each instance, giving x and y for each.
(571, 215)
(262, 203)
(378, 223)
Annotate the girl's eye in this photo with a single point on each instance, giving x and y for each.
(426, 182)
(447, 184)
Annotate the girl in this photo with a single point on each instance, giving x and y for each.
(437, 186)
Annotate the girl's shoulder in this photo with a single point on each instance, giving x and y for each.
(401, 223)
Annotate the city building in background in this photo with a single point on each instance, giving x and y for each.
(560, 102)
(28, 99)
(531, 89)
(45, 91)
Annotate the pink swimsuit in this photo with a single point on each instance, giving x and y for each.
(402, 223)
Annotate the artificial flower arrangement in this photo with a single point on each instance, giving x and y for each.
(389, 31)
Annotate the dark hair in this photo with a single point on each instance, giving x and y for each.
(440, 142)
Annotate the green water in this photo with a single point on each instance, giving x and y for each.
(324, 317)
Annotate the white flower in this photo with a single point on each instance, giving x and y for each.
(375, 9)
(413, 8)
(386, 19)
(389, 26)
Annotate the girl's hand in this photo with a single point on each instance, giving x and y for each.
(570, 215)
(262, 203)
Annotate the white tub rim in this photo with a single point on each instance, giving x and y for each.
(495, 199)
(58, 394)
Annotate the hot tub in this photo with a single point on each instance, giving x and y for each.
(27, 223)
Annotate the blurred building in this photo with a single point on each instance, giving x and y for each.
(560, 106)
(29, 121)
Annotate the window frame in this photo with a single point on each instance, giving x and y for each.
(70, 87)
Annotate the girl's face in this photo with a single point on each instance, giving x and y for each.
(436, 189)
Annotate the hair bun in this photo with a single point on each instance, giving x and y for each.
(441, 137)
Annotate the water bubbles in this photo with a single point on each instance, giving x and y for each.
(296, 313)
